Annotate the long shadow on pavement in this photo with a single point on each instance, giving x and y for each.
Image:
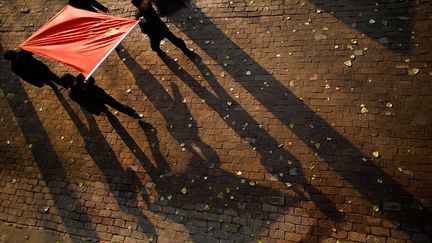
(388, 22)
(290, 109)
(124, 185)
(273, 157)
(167, 7)
(72, 212)
(170, 107)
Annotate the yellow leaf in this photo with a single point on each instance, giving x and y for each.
(364, 110)
(413, 71)
(348, 63)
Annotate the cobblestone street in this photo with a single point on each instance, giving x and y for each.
(296, 121)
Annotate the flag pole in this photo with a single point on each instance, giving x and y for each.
(109, 52)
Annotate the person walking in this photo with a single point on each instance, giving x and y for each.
(151, 24)
(93, 98)
(89, 5)
(31, 70)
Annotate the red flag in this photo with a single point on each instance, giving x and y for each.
(78, 38)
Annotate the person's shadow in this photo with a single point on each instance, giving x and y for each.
(275, 161)
(273, 155)
(54, 172)
(338, 153)
(376, 20)
(125, 185)
(167, 7)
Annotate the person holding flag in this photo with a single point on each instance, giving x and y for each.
(151, 24)
(93, 98)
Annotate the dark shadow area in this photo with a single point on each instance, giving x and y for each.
(273, 156)
(388, 22)
(70, 210)
(124, 184)
(168, 7)
(274, 161)
(339, 153)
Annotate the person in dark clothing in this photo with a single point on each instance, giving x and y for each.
(89, 5)
(31, 70)
(151, 24)
(94, 99)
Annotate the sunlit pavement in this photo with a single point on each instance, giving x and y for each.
(296, 121)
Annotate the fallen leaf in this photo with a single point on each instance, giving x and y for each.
(413, 71)
(364, 110)
(348, 63)
(287, 184)
(375, 154)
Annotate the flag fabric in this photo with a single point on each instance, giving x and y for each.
(78, 38)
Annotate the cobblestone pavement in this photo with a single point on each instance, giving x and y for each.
(297, 121)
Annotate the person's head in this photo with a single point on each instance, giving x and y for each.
(69, 80)
(140, 4)
(10, 55)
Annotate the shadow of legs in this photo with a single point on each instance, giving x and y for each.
(124, 185)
